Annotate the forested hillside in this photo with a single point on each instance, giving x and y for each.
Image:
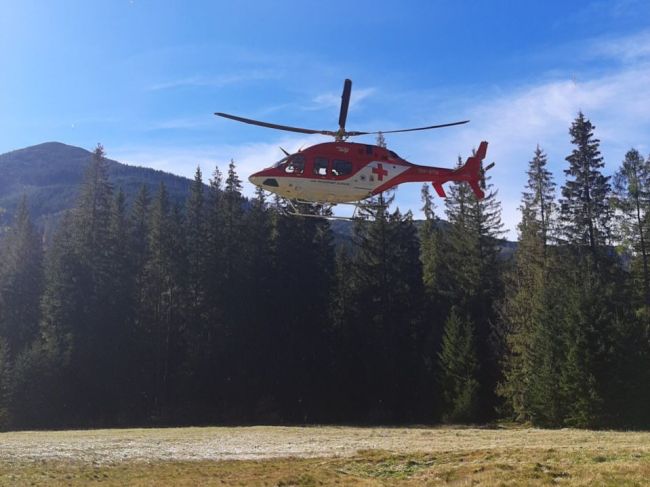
(217, 311)
(51, 174)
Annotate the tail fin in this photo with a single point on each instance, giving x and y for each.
(471, 171)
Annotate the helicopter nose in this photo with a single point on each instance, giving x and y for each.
(264, 181)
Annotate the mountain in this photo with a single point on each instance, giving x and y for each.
(50, 175)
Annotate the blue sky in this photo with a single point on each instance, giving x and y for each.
(144, 77)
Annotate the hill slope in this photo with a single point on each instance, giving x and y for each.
(50, 175)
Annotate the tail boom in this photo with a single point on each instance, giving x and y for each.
(471, 172)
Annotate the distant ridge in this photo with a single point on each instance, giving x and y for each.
(50, 175)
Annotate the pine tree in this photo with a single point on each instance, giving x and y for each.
(232, 291)
(585, 211)
(303, 255)
(539, 197)
(458, 365)
(77, 308)
(436, 304)
(118, 309)
(139, 241)
(382, 315)
(431, 252)
(581, 379)
(160, 308)
(196, 241)
(632, 198)
(261, 280)
(528, 306)
(594, 290)
(473, 277)
(196, 235)
(214, 251)
(92, 213)
(21, 283)
(63, 306)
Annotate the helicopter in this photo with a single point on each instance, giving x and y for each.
(342, 172)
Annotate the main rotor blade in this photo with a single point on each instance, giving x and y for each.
(274, 125)
(345, 103)
(352, 134)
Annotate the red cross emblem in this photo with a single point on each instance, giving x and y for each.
(380, 172)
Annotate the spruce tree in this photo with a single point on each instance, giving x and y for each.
(260, 283)
(458, 366)
(117, 337)
(76, 324)
(92, 213)
(383, 314)
(436, 305)
(138, 239)
(232, 279)
(593, 287)
(303, 254)
(63, 318)
(21, 283)
(531, 365)
(431, 241)
(585, 211)
(197, 246)
(161, 306)
(473, 282)
(632, 199)
(539, 197)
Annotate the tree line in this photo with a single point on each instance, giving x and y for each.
(226, 310)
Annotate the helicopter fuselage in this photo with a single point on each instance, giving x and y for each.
(345, 172)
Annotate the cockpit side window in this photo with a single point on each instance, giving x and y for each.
(341, 167)
(320, 166)
(296, 165)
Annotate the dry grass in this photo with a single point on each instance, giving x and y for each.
(325, 456)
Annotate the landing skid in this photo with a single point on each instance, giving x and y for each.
(362, 210)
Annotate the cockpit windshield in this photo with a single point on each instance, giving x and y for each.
(280, 162)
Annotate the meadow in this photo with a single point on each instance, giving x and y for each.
(311, 456)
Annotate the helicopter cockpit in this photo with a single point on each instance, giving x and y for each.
(296, 164)
(275, 165)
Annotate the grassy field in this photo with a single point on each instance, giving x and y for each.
(278, 456)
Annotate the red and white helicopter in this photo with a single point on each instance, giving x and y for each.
(330, 173)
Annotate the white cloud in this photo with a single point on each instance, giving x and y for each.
(627, 49)
(249, 158)
(182, 123)
(333, 100)
(215, 81)
(617, 104)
